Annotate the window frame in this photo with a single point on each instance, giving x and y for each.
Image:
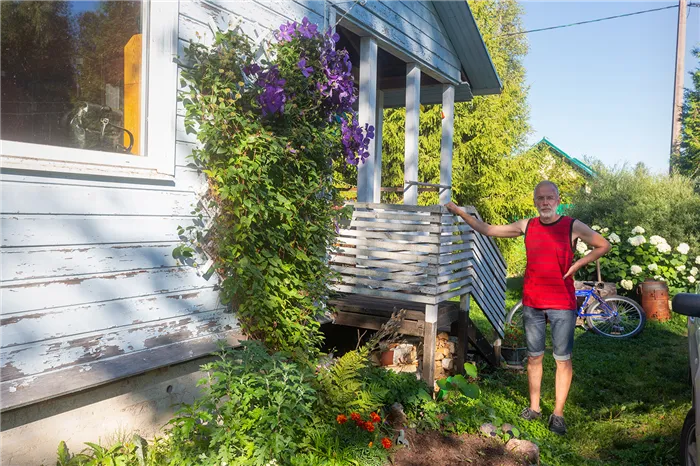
(160, 19)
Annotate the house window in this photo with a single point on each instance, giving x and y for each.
(75, 85)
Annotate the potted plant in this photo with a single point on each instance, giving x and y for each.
(514, 348)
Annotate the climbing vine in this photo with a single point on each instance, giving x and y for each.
(270, 133)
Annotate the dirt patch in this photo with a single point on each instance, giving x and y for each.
(432, 448)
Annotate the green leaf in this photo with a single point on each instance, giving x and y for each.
(470, 369)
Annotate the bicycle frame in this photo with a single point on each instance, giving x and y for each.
(588, 294)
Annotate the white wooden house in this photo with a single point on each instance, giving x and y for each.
(102, 331)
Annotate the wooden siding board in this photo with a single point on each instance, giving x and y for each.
(24, 296)
(60, 230)
(33, 389)
(28, 328)
(50, 355)
(26, 198)
(40, 263)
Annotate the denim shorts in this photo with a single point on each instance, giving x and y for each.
(563, 324)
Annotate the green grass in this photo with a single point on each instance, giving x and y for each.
(627, 401)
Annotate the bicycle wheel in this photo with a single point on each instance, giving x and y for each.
(515, 316)
(627, 319)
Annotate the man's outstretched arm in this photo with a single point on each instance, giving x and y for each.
(512, 230)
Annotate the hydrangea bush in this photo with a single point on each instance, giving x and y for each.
(636, 258)
(270, 133)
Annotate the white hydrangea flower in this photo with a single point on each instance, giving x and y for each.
(581, 247)
(697, 260)
(637, 240)
(627, 284)
(613, 238)
(691, 279)
(653, 267)
(638, 230)
(605, 230)
(683, 248)
(656, 277)
(595, 227)
(656, 239)
(636, 270)
(663, 247)
(680, 268)
(694, 271)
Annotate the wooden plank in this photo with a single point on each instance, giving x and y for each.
(372, 254)
(389, 285)
(398, 216)
(408, 327)
(450, 268)
(390, 245)
(467, 272)
(33, 198)
(338, 259)
(418, 238)
(51, 355)
(447, 250)
(63, 230)
(41, 263)
(462, 332)
(399, 277)
(359, 302)
(383, 294)
(34, 389)
(458, 257)
(399, 226)
(24, 296)
(367, 112)
(26, 328)
(397, 207)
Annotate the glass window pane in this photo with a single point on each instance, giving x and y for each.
(72, 74)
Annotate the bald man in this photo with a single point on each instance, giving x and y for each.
(548, 289)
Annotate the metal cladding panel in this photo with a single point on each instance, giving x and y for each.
(466, 39)
(429, 95)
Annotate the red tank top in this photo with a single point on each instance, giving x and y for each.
(549, 256)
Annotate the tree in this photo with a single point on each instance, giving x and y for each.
(622, 198)
(688, 161)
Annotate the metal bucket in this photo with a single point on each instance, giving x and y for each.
(654, 297)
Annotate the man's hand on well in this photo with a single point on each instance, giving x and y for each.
(452, 207)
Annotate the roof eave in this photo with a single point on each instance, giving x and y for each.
(469, 45)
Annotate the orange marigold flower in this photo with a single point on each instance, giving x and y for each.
(341, 418)
(369, 427)
(386, 443)
(355, 417)
(371, 444)
(374, 417)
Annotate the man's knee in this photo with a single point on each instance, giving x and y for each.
(535, 359)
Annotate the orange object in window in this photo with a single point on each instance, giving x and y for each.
(132, 91)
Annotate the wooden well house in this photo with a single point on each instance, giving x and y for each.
(417, 258)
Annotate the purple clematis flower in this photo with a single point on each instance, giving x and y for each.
(305, 70)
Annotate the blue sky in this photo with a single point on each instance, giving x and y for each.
(605, 89)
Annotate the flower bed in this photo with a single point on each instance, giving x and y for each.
(634, 258)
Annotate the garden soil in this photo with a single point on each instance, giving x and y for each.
(432, 448)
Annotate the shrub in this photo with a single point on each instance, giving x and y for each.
(269, 135)
(634, 258)
(622, 198)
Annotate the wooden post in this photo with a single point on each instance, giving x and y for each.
(429, 340)
(462, 332)
(678, 85)
(448, 120)
(368, 113)
(410, 195)
(379, 123)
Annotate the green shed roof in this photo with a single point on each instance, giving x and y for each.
(573, 161)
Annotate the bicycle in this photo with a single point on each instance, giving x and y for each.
(614, 316)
